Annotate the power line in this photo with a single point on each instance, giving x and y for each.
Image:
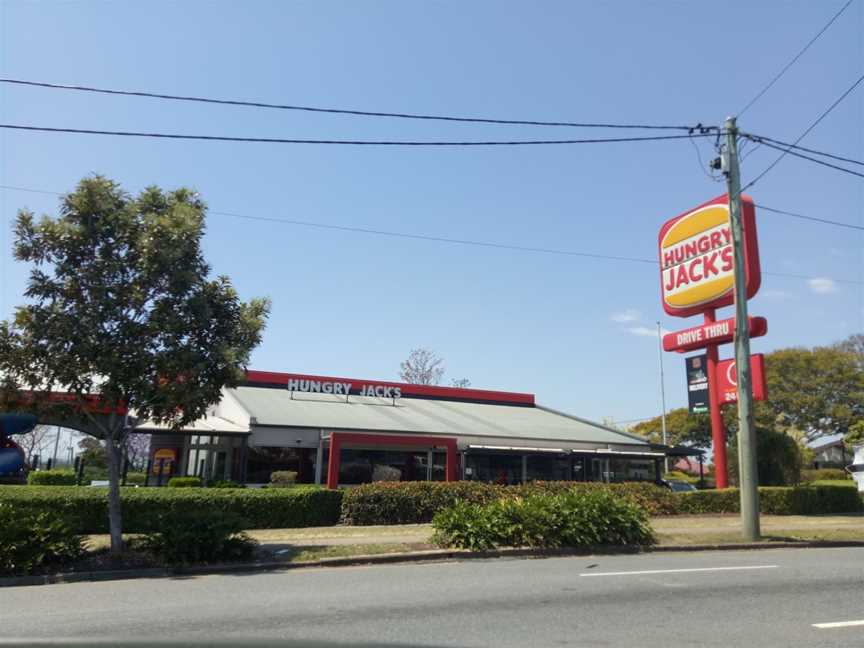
(809, 218)
(804, 134)
(278, 140)
(441, 239)
(794, 59)
(760, 138)
(338, 111)
(789, 151)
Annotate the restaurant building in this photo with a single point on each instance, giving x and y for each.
(344, 431)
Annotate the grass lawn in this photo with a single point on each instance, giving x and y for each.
(304, 545)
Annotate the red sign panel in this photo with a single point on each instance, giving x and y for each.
(381, 388)
(696, 262)
(699, 337)
(727, 379)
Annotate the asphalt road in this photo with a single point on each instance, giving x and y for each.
(756, 598)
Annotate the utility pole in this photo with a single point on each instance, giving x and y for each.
(662, 393)
(748, 477)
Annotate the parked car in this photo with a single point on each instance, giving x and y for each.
(678, 486)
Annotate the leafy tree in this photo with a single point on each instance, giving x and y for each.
(855, 436)
(682, 428)
(779, 458)
(463, 383)
(422, 367)
(818, 391)
(94, 453)
(121, 304)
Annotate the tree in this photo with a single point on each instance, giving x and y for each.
(34, 442)
(682, 428)
(121, 304)
(779, 458)
(422, 367)
(462, 383)
(93, 453)
(855, 436)
(137, 450)
(818, 391)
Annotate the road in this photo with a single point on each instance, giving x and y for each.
(764, 598)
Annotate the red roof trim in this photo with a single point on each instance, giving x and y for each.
(408, 389)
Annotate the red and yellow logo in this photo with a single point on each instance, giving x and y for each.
(696, 258)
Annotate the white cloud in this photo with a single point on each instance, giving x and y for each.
(822, 285)
(627, 315)
(645, 331)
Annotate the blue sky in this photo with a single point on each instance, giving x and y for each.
(575, 331)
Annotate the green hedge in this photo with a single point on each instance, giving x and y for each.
(824, 473)
(416, 502)
(185, 482)
(51, 478)
(574, 518)
(775, 500)
(86, 509)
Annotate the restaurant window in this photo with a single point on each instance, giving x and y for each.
(548, 468)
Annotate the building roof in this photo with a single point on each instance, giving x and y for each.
(206, 425)
(825, 441)
(270, 406)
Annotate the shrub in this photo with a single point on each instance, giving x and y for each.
(411, 502)
(654, 499)
(86, 509)
(280, 478)
(416, 502)
(226, 483)
(199, 536)
(135, 478)
(677, 475)
(184, 482)
(575, 518)
(824, 473)
(51, 478)
(31, 541)
(775, 500)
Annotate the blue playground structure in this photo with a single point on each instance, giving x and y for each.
(12, 459)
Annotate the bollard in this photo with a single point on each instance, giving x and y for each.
(80, 474)
(48, 464)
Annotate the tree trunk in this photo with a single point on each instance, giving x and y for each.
(115, 520)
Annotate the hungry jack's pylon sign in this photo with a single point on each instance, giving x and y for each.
(697, 276)
(696, 258)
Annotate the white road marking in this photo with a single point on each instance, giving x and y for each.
(678, 571)
(838, 624)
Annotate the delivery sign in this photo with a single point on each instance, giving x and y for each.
(696, 263)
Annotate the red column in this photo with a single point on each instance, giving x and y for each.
(718, 431)
(333, 461)
(450, 471)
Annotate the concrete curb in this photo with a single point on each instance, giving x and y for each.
(395, 558)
